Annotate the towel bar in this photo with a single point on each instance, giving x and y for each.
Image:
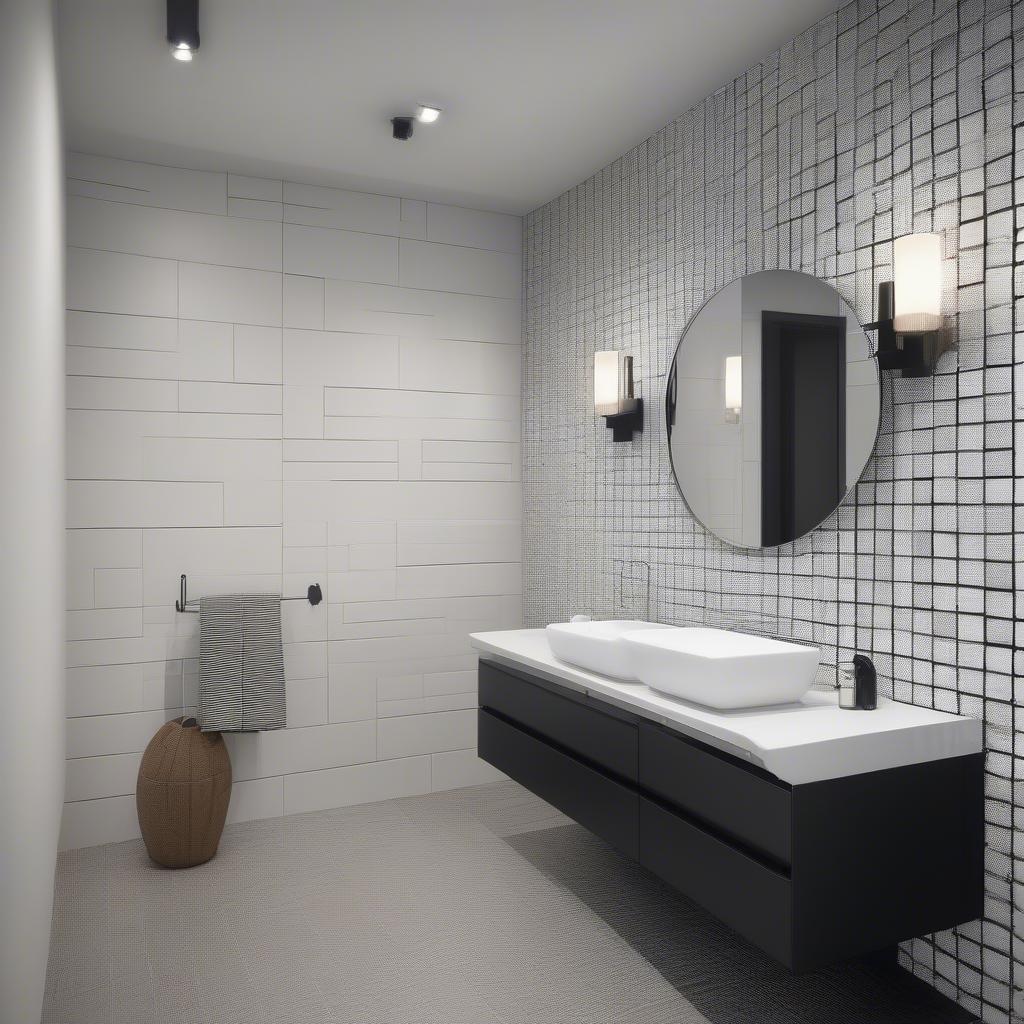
(314, 595)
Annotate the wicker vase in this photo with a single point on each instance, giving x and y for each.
(182, 794)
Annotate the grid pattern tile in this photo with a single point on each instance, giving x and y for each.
(880, 120)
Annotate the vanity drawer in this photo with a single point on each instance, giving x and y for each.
(741, 804)
(607, 808)
(746, 895)
(597, 736)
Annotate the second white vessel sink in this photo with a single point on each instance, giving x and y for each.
(597, 646)
(720, 668)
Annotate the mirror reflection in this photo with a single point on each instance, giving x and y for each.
(772, 407)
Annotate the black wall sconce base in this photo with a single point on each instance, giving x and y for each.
(910, 355)
(629, 420)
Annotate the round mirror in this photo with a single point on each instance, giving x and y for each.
(772, 407)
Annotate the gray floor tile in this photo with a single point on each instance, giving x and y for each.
(482, 905)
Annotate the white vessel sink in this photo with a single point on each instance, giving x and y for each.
(722, 669)
(597, 646)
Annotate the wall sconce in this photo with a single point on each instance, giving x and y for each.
(910, 307)
(733, 388)
(622, 412)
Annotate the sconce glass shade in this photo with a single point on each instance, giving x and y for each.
(917, 278)
(606, 383)
(733, 384)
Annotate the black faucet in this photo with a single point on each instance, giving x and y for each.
(865, 683)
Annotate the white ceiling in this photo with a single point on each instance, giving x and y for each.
(537, 94)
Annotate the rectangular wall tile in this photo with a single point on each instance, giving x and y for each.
(92, 778)
(125, 393)
(91, 822)
(419, 428)
(456, 225)
(303, 411)
(265, 190)
(339, 401)
(230, 294)
(256, 405)
(359, 784)
(417, 499)
(429, 365)
(257, 354)
(418, 313)
(205, 350)
(340, 451)
(458, 580)
(346, 255)
(255, 209)
(113, 282)
(210, 458)
(207, 396)
(426, 734)
(329, 358)
(465, 471)
(452, 769)
(130, 503)
(113, 734)
(252, 799)
(128, 181)
(117, 588)
(455, 268)
(103, 623)
(340, 208)
(307, 702)
(304, 302)
(117, 689)
(173, 234)
(118, 331)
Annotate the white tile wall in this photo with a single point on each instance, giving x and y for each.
(273, 384)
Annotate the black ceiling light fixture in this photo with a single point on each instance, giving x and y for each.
(183, 28)
(401, 128)
(403, 124)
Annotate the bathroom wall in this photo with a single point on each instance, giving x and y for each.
(882, 119)
(271, 385)
(32, 507)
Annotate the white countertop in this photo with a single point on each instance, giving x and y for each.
(808, 741)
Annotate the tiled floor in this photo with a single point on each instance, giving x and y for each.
(480, 905)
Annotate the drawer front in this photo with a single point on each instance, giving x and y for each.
(743, 806)
(607, 808)
(607, 741)
(750, 898)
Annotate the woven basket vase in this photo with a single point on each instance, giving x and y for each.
(182, 794)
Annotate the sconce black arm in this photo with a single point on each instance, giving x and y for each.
(911, 355)
(628, 420)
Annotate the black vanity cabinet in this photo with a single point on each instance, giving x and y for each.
(812, 873)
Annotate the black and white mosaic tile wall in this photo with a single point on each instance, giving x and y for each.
(882, 119)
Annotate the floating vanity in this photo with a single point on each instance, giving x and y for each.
(817, 833)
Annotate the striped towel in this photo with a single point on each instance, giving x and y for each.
(241, 665)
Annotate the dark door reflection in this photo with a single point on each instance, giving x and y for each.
(803, 422)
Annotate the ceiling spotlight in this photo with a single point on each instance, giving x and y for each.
(183, 28)
(401, 128)
(427, 115)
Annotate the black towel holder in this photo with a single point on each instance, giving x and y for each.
(314, 595)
